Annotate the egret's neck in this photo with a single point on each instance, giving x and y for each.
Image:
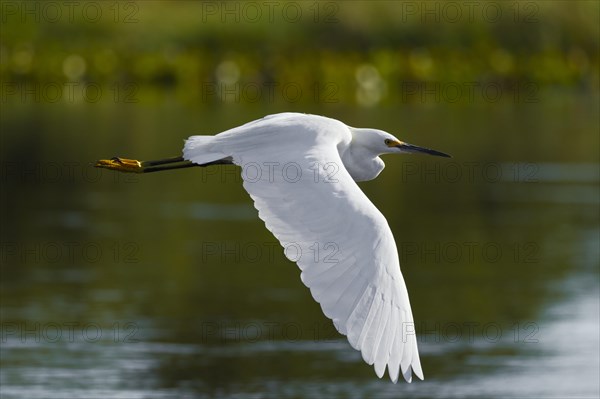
(362, 163)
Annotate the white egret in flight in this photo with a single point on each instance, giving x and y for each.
(301, 171)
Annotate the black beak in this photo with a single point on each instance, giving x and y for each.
(405, 147)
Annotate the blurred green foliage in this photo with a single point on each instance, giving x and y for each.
(350, 52)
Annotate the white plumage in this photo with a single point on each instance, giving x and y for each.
(300, 170)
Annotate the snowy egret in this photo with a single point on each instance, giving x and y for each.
(301, 171)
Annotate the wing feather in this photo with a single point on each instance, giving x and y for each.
(381, 347)
(397, 346)
(370, 329)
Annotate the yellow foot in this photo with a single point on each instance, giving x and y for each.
(121, 165)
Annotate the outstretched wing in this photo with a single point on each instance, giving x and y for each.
(327, 225)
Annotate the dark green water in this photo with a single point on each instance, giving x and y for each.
(168, 285)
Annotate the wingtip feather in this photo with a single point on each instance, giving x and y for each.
(379, 369)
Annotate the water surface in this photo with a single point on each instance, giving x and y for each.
(169, 286)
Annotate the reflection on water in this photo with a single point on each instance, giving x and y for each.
(556, 361)
(169, 286)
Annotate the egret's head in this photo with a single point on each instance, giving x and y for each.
(381, 142)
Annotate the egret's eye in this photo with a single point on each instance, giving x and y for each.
(388, 141)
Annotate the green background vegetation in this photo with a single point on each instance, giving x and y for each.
(367, 49)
